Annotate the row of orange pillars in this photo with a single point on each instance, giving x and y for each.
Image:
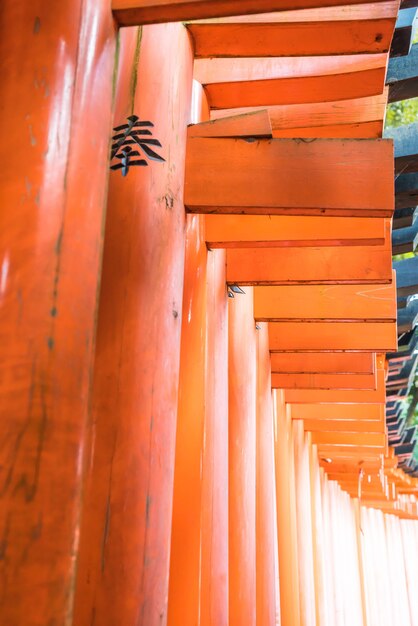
(193, 401)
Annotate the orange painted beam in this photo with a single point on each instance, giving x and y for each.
(296, 90)
(353, 451)
(340, 411)
(263, 231)
(53, 196)
(310, 396)
(362, 439)
(139, 12)
(242, 382)
(346, 177)
(272, 38)
(317, 336)
(252, 124)
(358, 426)
(359, 130)
(326, 302)
(233, 70)
(288, 118)
(323, 362)
(350, 465)
(323, 381)
(328, 266)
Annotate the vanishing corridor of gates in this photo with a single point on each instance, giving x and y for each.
(194, 387)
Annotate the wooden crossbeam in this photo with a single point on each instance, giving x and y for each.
(281, 266)
(236, 70)
(251, 231)
(297, 90)
(406, 276)
(317, 336)
(357, 411)
(360, 426)
(402, 76)
(406, 190)
(406, 147)
(322, 381)
(346, 177)
(139, 12)
(321, 302)
(323, 362)
(357, 452)
(298, 118)
(403, 37)
(333, 438)
(274, 38)
(405, 239)
(404, 218)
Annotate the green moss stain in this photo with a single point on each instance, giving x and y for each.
(134, 74)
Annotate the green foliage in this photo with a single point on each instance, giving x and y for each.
(403, 112)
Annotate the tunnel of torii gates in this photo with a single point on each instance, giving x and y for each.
(196, 309)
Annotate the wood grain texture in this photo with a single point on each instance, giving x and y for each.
(317, 336)
(275, 39)
(253, 231)
(323, 362)
(139, 12)
(322, 381)
(233, 175)
(281, 266)
(296, 90)
(316, 302)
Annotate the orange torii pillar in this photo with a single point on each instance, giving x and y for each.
(214, 559)
(184, 583)
(54, 172)
(265, 487)
(242, 377)
(286, 513)
(125, 543)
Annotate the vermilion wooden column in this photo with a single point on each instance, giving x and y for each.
(214, 563)
(286, 515)
(265, 486)
(242, 458)
(54, 169)
(184, 587)
(127, 529)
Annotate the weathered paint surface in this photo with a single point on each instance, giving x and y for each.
(56, 69)
(126, 535)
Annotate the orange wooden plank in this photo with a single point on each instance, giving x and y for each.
(324, 438)
(275, 39)
(367, 426)
(317, 336)
(358, 452)
(364, 11)
(323, 410)
(323, 381)
(310, 396)
(252, 124)
(363, 130)
(139, 12)
(323, 362)
(297, 90)
(248, 231)
(328, 266)
(230, 70)
(353, 465)
(231, 175)
(287, 118)
(343, 302)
